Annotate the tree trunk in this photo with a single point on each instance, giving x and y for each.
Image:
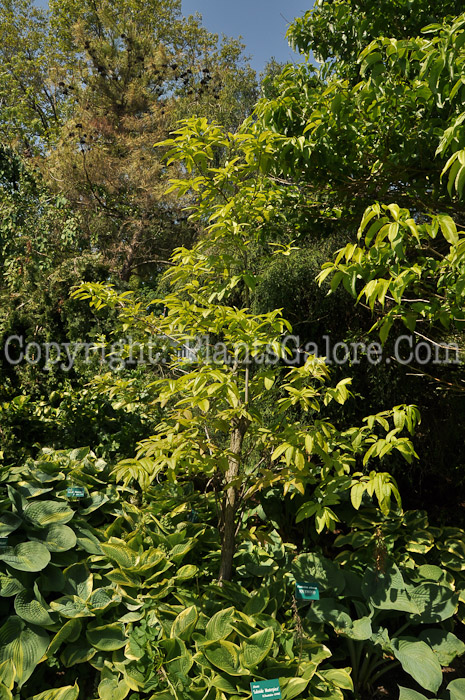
(230, 502)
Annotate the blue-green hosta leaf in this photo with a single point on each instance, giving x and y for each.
(408, 694)
(57, 538)
(68, 692)
(96, 501)
(225, 656)
(107, 637)
(45, 513)
(79, 580)
(77, 653)
(28, 608)
(9, 586)
(457, 689)
(219, 626)
(314, 567)
(185, 623)
(256, 648)
(24, 644)
(9, 522)
(387, 591)
(26, 556)
(445, 644)
(435, 602)
(418, 660)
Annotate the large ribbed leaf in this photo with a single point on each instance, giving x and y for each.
(69, 692)
(445, 645)
(24, 645)
(118, 551)
(26, 556)
(107, 637)
(435, 602)
(9, 586)
(58, 538)
(256, 648)
(45, 513)
(68, 633)
(79, 581)
(225, 656)
(9, 522)
(28, 608)
(71, 606)
(387, 590)
(219, 626)
(315, 567)
(184, 624)
(419, 661)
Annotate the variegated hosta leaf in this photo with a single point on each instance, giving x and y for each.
(69, 692)
(24, 645)
(45, 513)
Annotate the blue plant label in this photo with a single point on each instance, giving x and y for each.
(75, 492)
(266, 690)
(307, 591)
(3, 542)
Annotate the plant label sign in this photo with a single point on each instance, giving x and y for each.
(266, 690)
(307, 591)
(75, 492)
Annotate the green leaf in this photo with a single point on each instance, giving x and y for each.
(185, 623)
(315, 567)
(457, 689)
(59, 538)
(27, 556)
(219, 626)
(448, 228)
(68, 692)
(225, 656)
(110, 689)
(418, 660)
(48, 513)
(107, 637)
(256, 648)
(407, 694)
(31, 610)
(339, 677)
(24, 645)
(68, 633)
(294, 687)
(9, 522)
(445, 645)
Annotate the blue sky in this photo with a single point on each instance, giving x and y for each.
(261, 23)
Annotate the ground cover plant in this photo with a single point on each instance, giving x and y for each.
(206, 501)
